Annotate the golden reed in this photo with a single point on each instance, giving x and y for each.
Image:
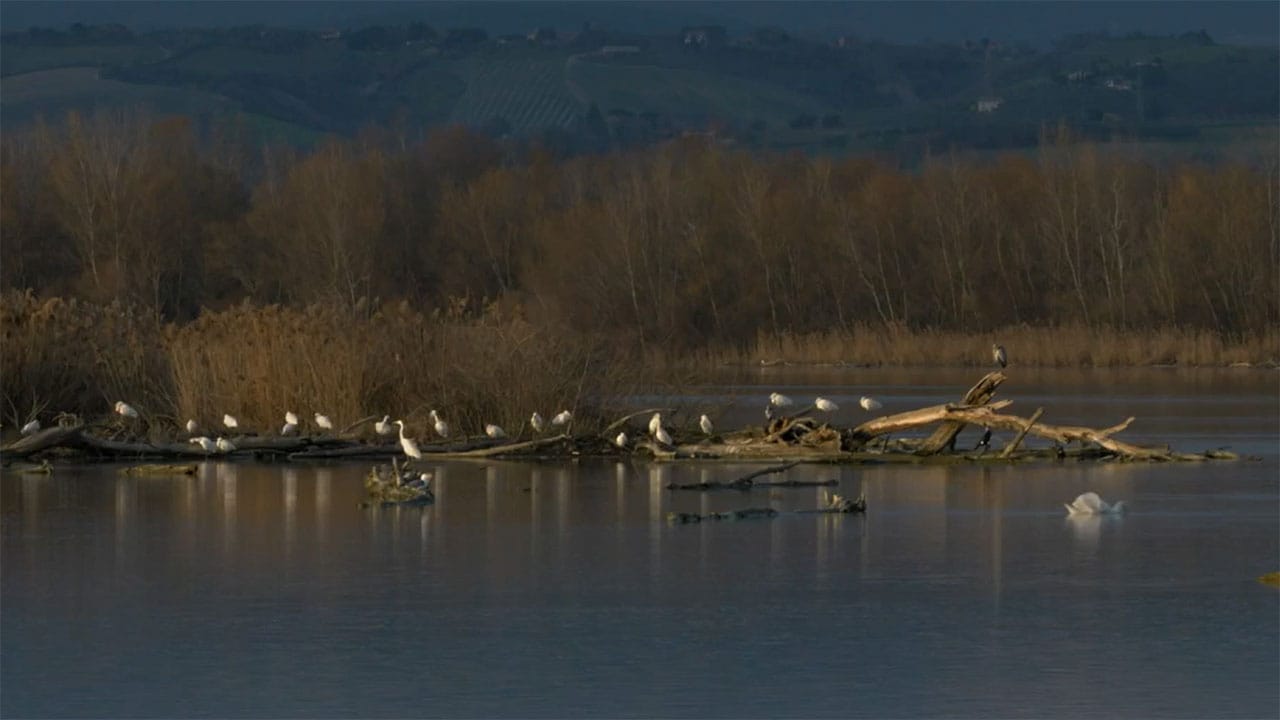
(256, 362)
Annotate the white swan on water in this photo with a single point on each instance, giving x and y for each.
(1090, 504)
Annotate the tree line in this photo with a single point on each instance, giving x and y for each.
(673, 246)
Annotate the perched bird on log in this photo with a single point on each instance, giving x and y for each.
(985, 441)
(31, 427)
(998, 355)
(407, 443)
(230, 421)
(662, 436)
(289, 429)
(780, 400)
(655, 422)
(562, 418)
(323, 421)
(224, 445)
(192, 426)
(205, 443)
(291, 417)
(704, 422)
(125, 410)
(494, 431)
(441, 427)
(870, 404)
(621, 440)
(825, 405)
(537, 423)
(382, 427)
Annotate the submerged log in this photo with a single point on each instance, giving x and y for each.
(676, 518)
(835, 504)
(160, 470)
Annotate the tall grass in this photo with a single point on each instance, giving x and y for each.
(475, 367)
(258, 362)
(65, 355)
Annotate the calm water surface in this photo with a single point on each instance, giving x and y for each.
(556, 589)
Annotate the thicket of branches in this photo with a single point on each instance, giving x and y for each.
(677, 246)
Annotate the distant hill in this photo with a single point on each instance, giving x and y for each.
(595, 88)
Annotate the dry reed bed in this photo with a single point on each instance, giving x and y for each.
(256, 362)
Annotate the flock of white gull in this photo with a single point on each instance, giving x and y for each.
(1086, 504)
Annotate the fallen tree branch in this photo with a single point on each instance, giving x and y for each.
(1022, 433)
(625, 419)
(980, 394)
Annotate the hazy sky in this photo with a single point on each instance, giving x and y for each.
(1034, 22)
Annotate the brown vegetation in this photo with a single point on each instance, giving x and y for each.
(552, 269)
(257, 362)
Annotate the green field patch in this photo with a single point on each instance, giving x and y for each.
(529, 92)
(52, 93)
(688, 93)
(21, 59)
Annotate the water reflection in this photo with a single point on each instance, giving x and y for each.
(324, 487)
(553, 567)
(289, 484)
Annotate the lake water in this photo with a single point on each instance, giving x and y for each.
(556, 589)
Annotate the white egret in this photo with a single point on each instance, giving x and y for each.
(192, 426)
(205, 443)
(441, 427)
(780, 400)
(125, 409)
(662, 436)
(869, 404)
(291, 417)
(31, 427)
(382, 427)
(704, 422)
(407, 443)
(999, 356)
(494, 431)
(537, 423)
(621, 440)
(224, 445)
(1090, 504)
(230, 421)
(655, 422)
(289, 428)
(825, 405)
(562, 418)
(323, 421)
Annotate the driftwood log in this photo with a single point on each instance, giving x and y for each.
(792, 440)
